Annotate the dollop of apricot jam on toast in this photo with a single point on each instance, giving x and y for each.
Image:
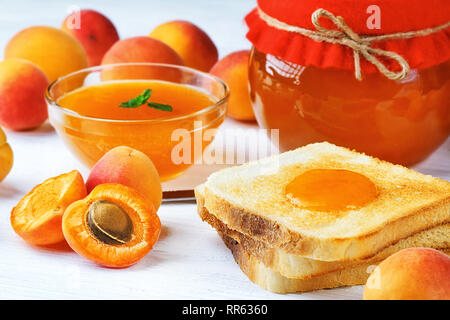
(331, 190)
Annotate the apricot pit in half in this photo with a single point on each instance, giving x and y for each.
(109, 223)
(113, 226)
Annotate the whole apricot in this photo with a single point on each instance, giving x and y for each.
(56, 52)
(190, 42)
(129, 167)
(6, 156)
(411, 274)
(139, 49)
(22, 88)
(94, 31)
(233, 69)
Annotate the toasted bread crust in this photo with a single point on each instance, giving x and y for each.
(273, 281)
(328, 249)
(275, 231)
(295, 266)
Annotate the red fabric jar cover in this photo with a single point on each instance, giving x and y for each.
(395, 15)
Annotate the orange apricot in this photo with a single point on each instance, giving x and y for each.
(22, 88)
(190, 42)
(139, 49)
(37, 217)
(129, 167)
(411, 274)
(113, 226)
(6, 156)
(56, 52)
(95, 32)
(233, 69)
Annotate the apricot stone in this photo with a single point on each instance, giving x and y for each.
(190, 42)
(6, 156)
(129, 167)
(94, 31)
(233, 69)
(411, 274)
(56, 52)
(22, 89)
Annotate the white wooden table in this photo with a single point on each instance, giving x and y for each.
(189, 261)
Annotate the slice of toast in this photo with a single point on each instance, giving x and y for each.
(273, 281)
(295, 266)
(251, 199)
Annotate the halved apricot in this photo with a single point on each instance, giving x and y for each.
(113, 226)
(37, 217)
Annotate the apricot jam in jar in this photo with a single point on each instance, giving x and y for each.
(317, 72)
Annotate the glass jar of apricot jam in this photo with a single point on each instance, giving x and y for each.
(398, 121)
(314, 99)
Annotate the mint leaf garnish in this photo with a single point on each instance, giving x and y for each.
(142, 99)
(160, 106)
(138, 101)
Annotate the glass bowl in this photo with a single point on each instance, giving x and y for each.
(171, 142)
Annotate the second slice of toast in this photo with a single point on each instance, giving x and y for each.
(251, 199)
(273, 281)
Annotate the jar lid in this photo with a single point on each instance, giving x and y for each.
(354, 34)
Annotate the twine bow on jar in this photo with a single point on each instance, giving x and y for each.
(361, 45)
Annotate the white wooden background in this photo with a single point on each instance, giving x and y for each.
(189, 261)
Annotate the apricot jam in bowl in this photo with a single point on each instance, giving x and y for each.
(158, 109)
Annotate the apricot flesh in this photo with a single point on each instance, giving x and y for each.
(54, 51)
(411, 274)
(38, 215)
(131, 168)
(6, 156)
(95, 32)
(190, 42)
(146, 227)
(22, 88)
(233, 70)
